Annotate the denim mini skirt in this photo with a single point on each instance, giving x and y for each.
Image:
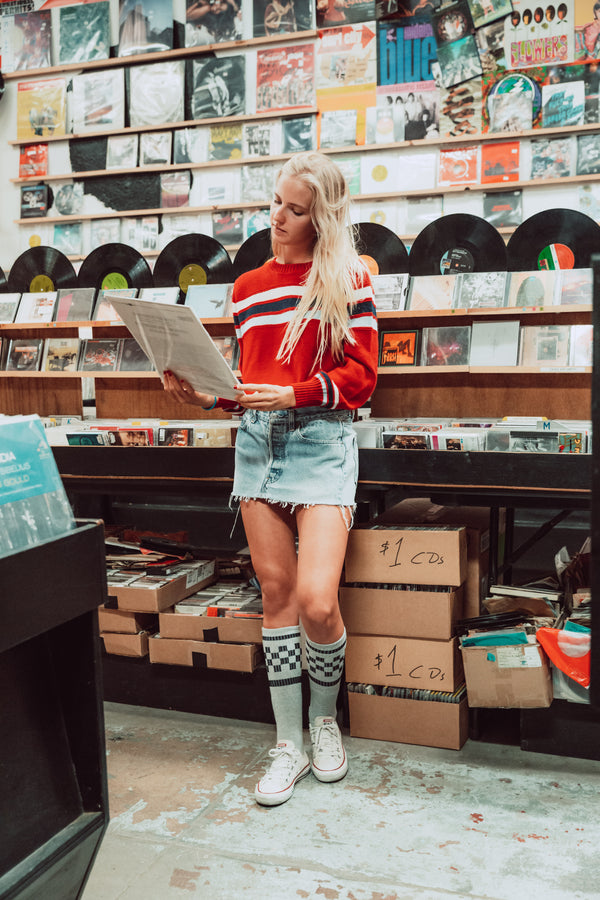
(296, 457)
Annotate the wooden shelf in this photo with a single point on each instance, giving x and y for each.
(483, 370)
(162, 56)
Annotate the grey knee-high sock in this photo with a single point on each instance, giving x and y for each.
(283, 658)
(325, 668)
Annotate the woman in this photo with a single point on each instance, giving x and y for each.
(307, 331)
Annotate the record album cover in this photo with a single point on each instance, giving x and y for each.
(24, 354)
(36, 307)
(581, 345)
(298, 133)
(480, 290)
(338, 128)
(588, 154)
(68, 238)
(122, 151)
(41, 108)
(133, 358)
(228, 226)
(460, 109)
(431, 291)
(576, 287)
(285, 78)
(99, 355)
(494, 343)
(211, 23)
(27, 42)
(60, 355)
(261, 138)
(99, 100)
(398, 348)
(500, 161)
(551, 158)
(217, 87)
(459, 165)
(225, 142)
(74, 305)
(84, 32)
(447, 345)
(563, 104)
(528, 289)
(503, 209)
(33, 160)
(155, 148)
(544, 346)
(272, 18)
(156, 93)
(145, 26)
(9, 304)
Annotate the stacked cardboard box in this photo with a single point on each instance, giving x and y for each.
(401, 599)
(476, 520)
(125, 633)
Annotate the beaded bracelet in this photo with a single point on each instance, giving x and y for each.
(213, 404)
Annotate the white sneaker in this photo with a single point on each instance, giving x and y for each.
(329, 762)
(277, 784)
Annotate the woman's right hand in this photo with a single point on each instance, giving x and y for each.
(183, 392)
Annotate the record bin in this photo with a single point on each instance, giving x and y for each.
(53, 781)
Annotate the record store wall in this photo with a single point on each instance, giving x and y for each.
(140, 122)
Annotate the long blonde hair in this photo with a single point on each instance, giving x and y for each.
(329, 288)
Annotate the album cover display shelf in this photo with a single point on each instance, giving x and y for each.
(53, 782)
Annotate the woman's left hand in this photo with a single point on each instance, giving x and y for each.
(267, 396)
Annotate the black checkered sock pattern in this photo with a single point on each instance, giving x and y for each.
(283, 659)
(325, 670)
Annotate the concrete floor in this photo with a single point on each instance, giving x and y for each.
(407, 823)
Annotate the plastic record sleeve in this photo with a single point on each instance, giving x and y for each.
(115, 267)
(457, 243)
(41, 269)
(193, 259)
(553, 239)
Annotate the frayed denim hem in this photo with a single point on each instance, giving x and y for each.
(347, 512)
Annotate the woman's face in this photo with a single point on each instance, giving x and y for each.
(291, 223)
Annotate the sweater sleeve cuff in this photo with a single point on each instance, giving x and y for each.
(309, 393)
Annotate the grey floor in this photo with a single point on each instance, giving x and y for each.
(490, 821)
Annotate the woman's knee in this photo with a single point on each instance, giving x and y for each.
(318, 613)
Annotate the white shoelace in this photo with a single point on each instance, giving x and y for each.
(282, 765)
(326, 739)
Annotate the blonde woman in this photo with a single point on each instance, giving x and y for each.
(307, 331)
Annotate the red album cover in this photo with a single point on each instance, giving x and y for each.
(33, 160)
(459, 165)
(500, 162)
(285, 78)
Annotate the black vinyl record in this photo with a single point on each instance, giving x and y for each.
(459, 242)
(553, 239)
(41, 269)
(193, 259)
(3, 281)
(255, 251)
(115, 267)
(382, 250)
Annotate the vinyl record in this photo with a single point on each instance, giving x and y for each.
(255, 251)
(3, 281)
(41, 269)
(115, 267)
(458, 242)
(381, 249)
(193, 259)
(553, 239)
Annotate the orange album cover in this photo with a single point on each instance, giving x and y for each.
(500, 162)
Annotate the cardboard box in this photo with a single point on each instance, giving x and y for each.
(125, 644)
(160, 597)
(126, 622)
(517, 676)
(425, 722)
(232, 629)
(397, 555)
(204, 655)
(415, 614)
(418, 511)
(404, 662)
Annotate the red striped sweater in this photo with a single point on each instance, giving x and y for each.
(264, 301)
